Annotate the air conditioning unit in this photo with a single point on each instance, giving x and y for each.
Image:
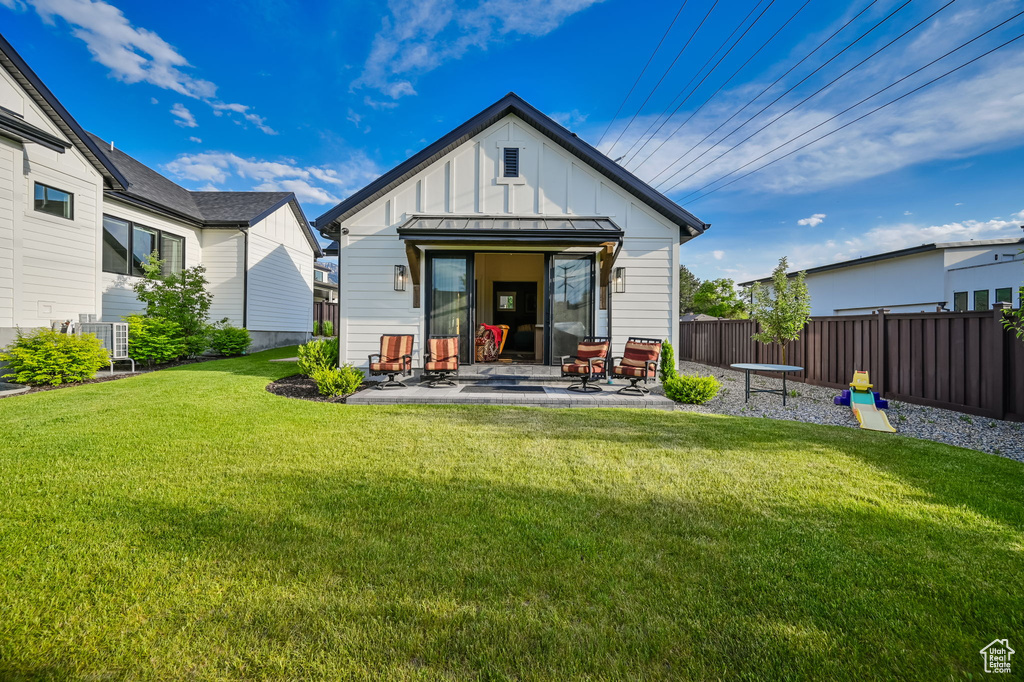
(113, 336)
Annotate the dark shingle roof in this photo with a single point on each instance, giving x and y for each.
(511, 103)
(218, 207)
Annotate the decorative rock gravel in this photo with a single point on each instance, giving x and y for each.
(813, 404)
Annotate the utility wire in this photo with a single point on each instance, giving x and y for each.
(701, 82)
(760, 94)
(720, 87)
(642, 72)
(694, 76)
(813, 94)
(791, 89)
(859, 118)
(656, 85)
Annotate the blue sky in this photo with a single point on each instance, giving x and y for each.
(321, 97)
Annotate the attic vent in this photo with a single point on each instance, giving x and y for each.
(511, 162)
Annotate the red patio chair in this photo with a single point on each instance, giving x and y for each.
(590, 364)
(442, 360)
(639, 362)
(394, 359)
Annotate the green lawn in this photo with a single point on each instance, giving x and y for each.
(187, 524)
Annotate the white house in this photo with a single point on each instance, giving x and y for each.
(955, 276)
(77, 216)
(509, 219)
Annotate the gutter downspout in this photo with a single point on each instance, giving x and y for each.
(245, 277)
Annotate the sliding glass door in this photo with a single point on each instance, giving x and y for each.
(570, 302)
(450, 296)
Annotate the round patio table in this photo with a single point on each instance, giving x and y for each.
(759, 367)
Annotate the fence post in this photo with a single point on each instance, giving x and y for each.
(996, 359)
(881, 361)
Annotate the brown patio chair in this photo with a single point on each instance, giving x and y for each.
(442, 360)
(394, 359)
(639, 362)
(590, 364)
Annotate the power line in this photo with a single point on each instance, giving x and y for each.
(642, 72)
(796, 85)
(701, 82)
(859, 118)
(772, 85)
(813, 94)
(720, 87)
(656, 85)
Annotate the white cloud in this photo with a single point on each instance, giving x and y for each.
(929, 125)
(185, 117)
(570, 119)
(813, 221)
(718, 255)
(220, 107)
(417, 36)
(312, 184)
(959, 203)
(195, 139)
(907, 213)
(131, 53)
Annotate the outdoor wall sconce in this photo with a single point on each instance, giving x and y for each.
(400, 278)
(620, 280)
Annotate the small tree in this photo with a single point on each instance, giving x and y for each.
(718, 297)
(688, 285)
(1014, 319)
(181, 298)
(782, 309)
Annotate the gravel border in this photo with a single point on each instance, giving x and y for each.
(813, 405)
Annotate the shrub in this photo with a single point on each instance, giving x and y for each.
(337, 380)
(154, 340)
(668, 362)
(328, 328)
(692, 390)
(181, 298)
(229, 340)
(318, 354)
(45, 357)
(316, 327)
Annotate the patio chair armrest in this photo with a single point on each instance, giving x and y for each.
(562, 359)
(374, 355)
(614, 358)
(407, 360)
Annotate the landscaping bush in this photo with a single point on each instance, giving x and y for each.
(328, 328)
(181, 298)
(229, 340)
(316, 327)
(154, 340)
(692, 390)
(45, 357)
(668, 362)
(318, 354)
(337, 380)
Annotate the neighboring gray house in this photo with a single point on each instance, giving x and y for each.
(77, 216)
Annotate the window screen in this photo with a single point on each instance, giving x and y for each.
(1004, 295)
(172, 253)
(960, 302)
(115, 245)
(981, 299)
(143, 243)
(511, 162)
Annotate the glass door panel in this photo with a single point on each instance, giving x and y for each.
(571, 302)
(451, 280)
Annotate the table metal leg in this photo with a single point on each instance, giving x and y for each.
(747, 398)
(783, 389)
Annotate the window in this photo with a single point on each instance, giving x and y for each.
(318, 276)
(510, 162)
(54, 201)
(1004, 295)
(981, 299)
(960, 302)
(122, 237)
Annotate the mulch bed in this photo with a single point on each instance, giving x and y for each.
(104, 375)
(302, 387)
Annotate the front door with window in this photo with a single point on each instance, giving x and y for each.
(570, 302)
(450, 279)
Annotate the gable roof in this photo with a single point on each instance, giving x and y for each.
(511, 103)
(45, 100)
(899, 253)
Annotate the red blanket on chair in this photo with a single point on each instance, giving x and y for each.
(497, 331)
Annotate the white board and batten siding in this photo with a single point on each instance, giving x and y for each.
(464, 182)
(224, 258)
(280, 275)
(118, 298)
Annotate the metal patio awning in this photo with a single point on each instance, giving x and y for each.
(510, 230)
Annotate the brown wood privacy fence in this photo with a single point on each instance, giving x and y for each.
(324, 311)
(960, 361)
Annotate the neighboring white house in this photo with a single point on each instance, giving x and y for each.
(77, 216)
(955, 276)
(508, 219)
